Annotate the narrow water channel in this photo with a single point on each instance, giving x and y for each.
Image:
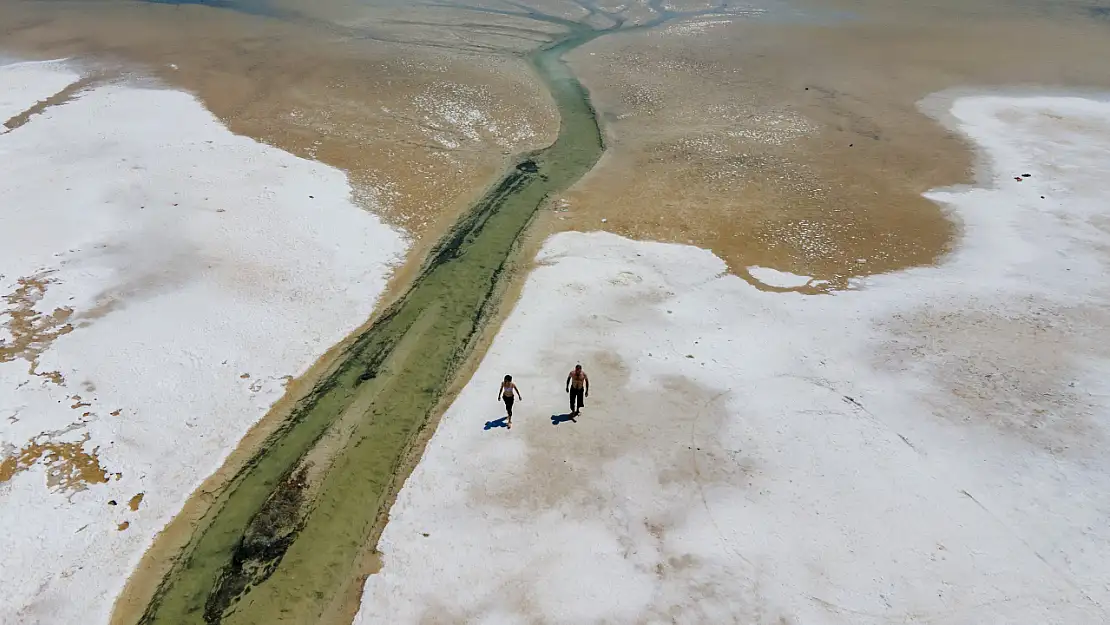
(280, 546)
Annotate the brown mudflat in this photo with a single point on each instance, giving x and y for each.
(798, 144)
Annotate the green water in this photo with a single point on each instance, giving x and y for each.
(266, 553)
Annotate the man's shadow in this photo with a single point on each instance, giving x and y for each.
(503, 422)
(556, 419)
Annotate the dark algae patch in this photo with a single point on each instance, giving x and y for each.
(287, 537)
(259, 552)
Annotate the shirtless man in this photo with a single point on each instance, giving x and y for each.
(578, 385)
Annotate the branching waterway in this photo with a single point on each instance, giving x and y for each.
(286, 538)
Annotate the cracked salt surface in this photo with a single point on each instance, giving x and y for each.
(929, 447)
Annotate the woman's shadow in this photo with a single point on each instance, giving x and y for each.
(503, 422)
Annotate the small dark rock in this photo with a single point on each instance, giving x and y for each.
(111, 502)
(1026, 175)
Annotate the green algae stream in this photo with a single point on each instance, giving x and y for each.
(279, 546)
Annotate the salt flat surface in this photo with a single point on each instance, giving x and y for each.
(161, 278)
(930, 448)
(776, 278)
(28, 82)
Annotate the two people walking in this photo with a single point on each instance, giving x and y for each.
(578, 386)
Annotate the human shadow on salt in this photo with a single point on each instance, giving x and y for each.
(503, 422)
(556, 419)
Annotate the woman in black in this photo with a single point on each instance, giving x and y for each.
(506, 393)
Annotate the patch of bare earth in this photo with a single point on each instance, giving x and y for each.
(31, 332)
